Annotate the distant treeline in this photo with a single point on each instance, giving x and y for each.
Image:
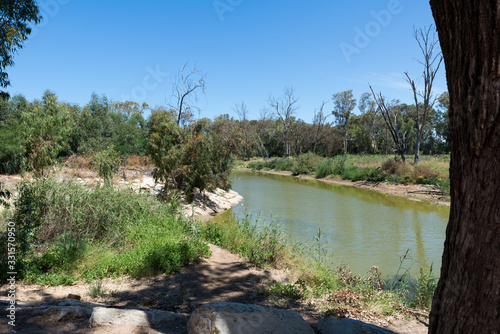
(37, 133)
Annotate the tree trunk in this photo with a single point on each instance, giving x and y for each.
(467, 298)
(417, 152)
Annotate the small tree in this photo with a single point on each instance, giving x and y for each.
(188, 158)
(47, 127)
(343, 105)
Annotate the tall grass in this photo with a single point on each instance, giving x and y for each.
(66, 230)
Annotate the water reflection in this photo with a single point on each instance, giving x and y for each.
(360, 227)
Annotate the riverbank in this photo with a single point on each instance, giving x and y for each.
(223, 277)
(133, 246)
(204, 206)
(413, 192)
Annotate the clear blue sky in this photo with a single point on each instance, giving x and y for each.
(248, 50)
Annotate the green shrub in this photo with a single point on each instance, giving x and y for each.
(324, 169)
(305, 163)
(189, 158)
(258, 165)
(339, 164)
(285, 164)
(106, 163)
(295, 291)
(262, 245)
(360, 174)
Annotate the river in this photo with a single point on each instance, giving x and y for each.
(359, 227)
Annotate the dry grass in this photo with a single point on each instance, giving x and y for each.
(79, 162)
(136, 161)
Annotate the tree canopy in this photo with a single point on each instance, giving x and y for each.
(14, 30)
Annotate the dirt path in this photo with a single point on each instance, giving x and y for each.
(221, 278)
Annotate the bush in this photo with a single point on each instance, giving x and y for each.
(360, 174)
(339, 164)
(396, 167)
(324, 169)
(258, 165)
(305, 163)
(285, 164)
(106, 163)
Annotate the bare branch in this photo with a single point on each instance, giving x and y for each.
(184, 93)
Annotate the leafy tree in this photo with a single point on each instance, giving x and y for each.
(343, 106)
(95, 125)
(47, 127)
(12, 149)
(14, 30)
(188, 158)
(370, 119)
(129, 127)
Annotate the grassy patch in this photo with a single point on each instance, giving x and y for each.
(66, 230)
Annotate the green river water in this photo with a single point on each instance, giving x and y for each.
(360, 228)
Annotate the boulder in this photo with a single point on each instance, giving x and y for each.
(102, 316)
(229, 318)
(58, 313)
(349, 326)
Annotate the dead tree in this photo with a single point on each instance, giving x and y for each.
(319, 120)
(284, 108)
(390, 119)
(184, 93)
(431, 63)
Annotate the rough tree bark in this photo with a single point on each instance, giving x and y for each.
(467, 298)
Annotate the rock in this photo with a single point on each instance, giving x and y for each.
(349, 326)
(228, 318)
(102, 316)
(57, 313)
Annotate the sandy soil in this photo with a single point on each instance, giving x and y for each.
(414, 192)
(223, 277)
